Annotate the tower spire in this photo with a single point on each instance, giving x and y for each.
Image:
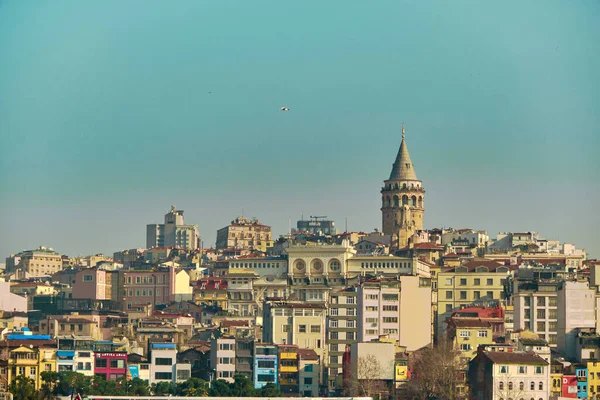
(402, 130)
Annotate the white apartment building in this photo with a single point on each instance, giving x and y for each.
(576, 309)
(537, 310)
(400, 309)
(509, 375)
(222, 358)
(164, 366)
(173, 233)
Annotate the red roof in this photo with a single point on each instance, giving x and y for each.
(211, 284)
(479, 312)
(227, 324)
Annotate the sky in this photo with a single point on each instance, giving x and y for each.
(111, 111)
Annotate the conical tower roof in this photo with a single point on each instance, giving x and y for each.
(403, 169)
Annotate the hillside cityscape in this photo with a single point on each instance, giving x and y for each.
(401, 312)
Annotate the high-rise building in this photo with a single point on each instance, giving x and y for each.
(173, 233)
(317, 225)
(42, 261)
(402, 200)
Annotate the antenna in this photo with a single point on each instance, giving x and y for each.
(290, 225)
(346, 228)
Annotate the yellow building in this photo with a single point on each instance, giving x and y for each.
(12, 320)
(467, 334)
(593, 378)
(39, 262)
(211, 292)
(244, 233)
(474, 281)
(31, 362)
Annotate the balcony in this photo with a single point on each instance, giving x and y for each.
(283, 369)
(288, 356)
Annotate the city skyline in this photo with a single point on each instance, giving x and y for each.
(107, 119)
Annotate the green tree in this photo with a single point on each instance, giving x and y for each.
(49, 384)
(23, 388)
(193, 387)
(269, 390)
(164, 388)
(220, 388)
(137, 387)
(242, 386)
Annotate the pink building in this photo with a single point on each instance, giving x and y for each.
(93, 283)
(143, 288)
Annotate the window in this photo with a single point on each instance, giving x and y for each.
(465, 346)
(448, 294)
(501, 386)
(285, 328)
(390, 297)
(489, 294)
(477, 295)
(463, 282)
(552, 314)
(510, 386)
(448, 308)
(527, 301)
(503, 369)
(490, 281)
(390, 320)
(80, 327)
(541, 326)
(226, 346)
(521, 385)
(118, 364)
(266, 378)
(540, 370)
(101, 363)
(463, 295)
(333, 311)
(465, 334)
(302, 328)
(349, 335)
(315, 328)
(449, 281)
(482, 334)
(349, 300)
(541, 386)
(532, 385)
(552, 301)
(163, 375)
(266, 364)
(88, 278)
(333, 335)
(541, 314)
(333, 324)
(226, 374)
(350, 312)
(541, 301)
(223, 360)
(308, 381)
(477, 282)
(522, 369)
(372, 297)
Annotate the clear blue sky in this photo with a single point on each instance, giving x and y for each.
(111, 111)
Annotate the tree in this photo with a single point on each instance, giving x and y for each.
(220, 388)
(269, 390)
(137, 387)
(368, 380)
(436, 374)
(242, 386)
(193, 387)
(164, 389)
(23, 388)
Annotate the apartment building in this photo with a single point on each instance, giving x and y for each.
(576, 310)
(262, 266)
(222, 358)
(244, 356)
(478, 281)
(240, 293)
(288, 369)
(244, 233)
(266, 364)
(173, 233)
(399, 309)
(504, 375)
(308, 373)
(341, 331)
(42, 261)
(164, 366)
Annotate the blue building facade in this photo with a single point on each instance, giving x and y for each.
(582, 382)
(265, 368)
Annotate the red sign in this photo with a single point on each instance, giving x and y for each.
(569, 386)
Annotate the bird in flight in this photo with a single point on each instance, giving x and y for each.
(285, 109)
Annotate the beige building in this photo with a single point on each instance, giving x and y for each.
(42, 261)
(402, 200)
(318, 262)
(244, 233)
(290, 322)
(341, 331)
(173, 233)
(475, 281)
